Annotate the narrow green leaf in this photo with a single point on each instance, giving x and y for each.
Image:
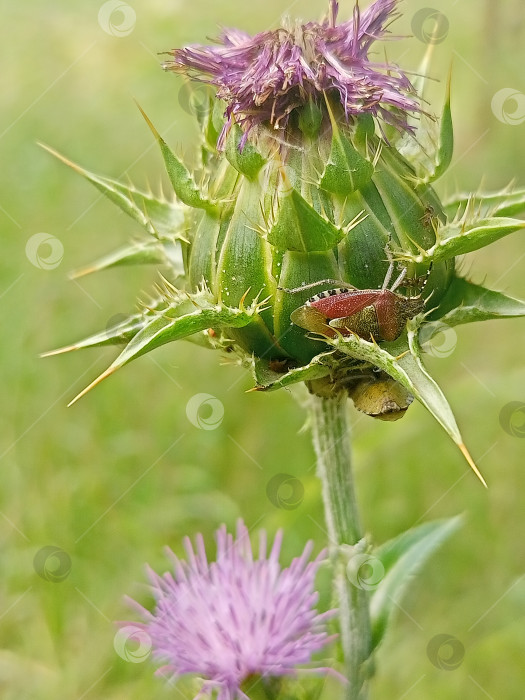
(458, 239)
(116, 334)
(156, 216)
(123, 331)
(426, 390)
(445, 147)
(267, 379)
(402, 558)
(403, 363)
(466, 302)
(415, 144)
(179, 175)
(150, 253)
(508, 202)
(162, 329)
(512, 205)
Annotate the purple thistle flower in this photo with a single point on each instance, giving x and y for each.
(236, 617)
(264, 78)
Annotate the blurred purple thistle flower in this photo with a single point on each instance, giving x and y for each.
(236, 617)
(263, 78)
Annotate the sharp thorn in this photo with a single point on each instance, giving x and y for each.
(65, 160)
(149, 122)
(94, 383)
(469, 459)
(81, 272)
(58, 351)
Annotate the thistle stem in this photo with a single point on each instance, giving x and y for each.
(331, 439)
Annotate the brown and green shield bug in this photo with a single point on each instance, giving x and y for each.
(372, 314)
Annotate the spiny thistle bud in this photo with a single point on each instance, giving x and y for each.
(310, 240)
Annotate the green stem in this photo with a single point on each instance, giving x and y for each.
(331, 439)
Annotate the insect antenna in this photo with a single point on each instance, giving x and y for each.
(390, 270)
(296, 290)
(398, 280)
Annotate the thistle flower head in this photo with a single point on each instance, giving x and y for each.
(236, 617)
(264, 78)
(324, 255)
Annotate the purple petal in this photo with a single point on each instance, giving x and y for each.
(264, 78)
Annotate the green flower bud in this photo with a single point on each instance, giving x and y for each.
(338, 206)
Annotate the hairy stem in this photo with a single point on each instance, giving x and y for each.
(331, 439)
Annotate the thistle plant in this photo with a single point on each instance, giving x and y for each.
(310, 244)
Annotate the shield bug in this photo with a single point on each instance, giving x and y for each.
(372, 314)
(380, 397)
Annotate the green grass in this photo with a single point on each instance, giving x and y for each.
(123, 473)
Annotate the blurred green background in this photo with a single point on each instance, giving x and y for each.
(123, 473)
